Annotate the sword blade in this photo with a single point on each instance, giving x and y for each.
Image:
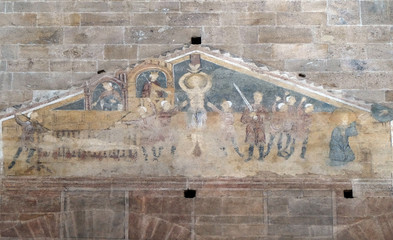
(243, 97)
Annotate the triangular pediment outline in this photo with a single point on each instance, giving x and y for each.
(279, 78)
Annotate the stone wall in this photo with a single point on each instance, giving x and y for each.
(54, 45)
(222, 209)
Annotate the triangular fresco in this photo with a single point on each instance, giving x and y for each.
(197, 112)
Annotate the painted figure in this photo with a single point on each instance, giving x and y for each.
(303, 124)
(27, 139)
(152, 88)
(109, 99)
(164, 118)
(279, 125)
(196, 84)
(227, 121)
(340, 151)
(255, 128)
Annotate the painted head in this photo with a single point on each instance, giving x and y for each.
(142, 110)
(291, 100)
(153, 76)
(258, 97)
(166, 106)
(226, 106)
(308, 108)
(107, 86)
(282, 107)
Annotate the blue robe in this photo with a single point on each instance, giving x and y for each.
(340, 151)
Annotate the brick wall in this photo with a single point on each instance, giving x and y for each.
(222, 209)
(46, 45)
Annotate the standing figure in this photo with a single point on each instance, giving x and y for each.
(279, 123)
(164, 118)
(227, 121)
(109, 99)
(340, 151)
(255, 129)
(27, 139)
(303, 123)
(153, 90)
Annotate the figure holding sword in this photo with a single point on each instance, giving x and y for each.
(254, 116)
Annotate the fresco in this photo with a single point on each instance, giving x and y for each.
(214, 120)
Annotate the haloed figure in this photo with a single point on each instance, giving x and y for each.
(227, 121)
(255, 129)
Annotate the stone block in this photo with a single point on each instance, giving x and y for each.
(379, 206)
(301, 18)
(243, 230)
(343, 12)
(112, 66)
(94, 35)
(221, 35)
(321, 231)
(28, 66)
(355, 34)
(73, 19)
(208, 229)
(285, 35)
(379, 51)
(164, 6)
(352, 51)
(208, 206)
(257, 51)
(120, 52)
(248, 35)
(33, 51)
(377, 12)
(15, 97)
(30, 202)
(84, 66)
(155, 50)
(5, 81)
(8, 52)
(310, 207)
(50, 19)
(389, 96)
(36, 7)
(18, 19)
(2, 7)
(283, 6)
(193, 19)
(248, 18)
(367, 95)
(85, 6)
(153, 205)
(30, 35)
(314, 5)
(309, 65)
(205, 6)
(175, 205)
(41, 81)
(242, 206)
(105, 19)
(160, 35)
(288, 230)
(302, 220)
(3, 66)
(148, 19)
(95, 52)
(299, 51)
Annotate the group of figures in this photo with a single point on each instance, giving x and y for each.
(280, 127)
(284, 124)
